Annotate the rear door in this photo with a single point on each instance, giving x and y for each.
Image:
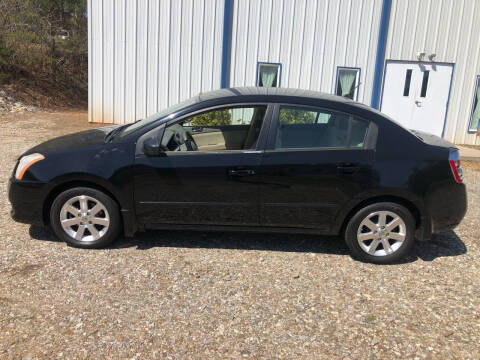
(316, 161)
(209, 174)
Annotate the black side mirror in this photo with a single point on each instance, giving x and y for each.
(152, 147)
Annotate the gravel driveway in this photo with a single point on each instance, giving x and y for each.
(195, 295)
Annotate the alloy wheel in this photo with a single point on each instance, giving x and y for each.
(381, 233)
(84, 218)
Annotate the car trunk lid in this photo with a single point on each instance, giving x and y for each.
(431, 139)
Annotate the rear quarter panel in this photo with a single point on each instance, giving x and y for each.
(420, 173)
(405, 167)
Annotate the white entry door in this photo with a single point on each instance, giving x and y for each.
(416, 94)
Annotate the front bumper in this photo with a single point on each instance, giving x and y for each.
(26, 198)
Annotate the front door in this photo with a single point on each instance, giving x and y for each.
(416, 94)
(317, 162)
(207, 174)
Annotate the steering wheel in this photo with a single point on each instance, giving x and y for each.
(181, 140)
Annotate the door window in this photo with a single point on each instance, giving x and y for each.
(423, 91)
(408, 80)
(305, 128)
(235, 128)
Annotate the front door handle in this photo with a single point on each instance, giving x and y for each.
(348, 167)
(241, 172)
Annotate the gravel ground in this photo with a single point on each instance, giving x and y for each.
(224, 295)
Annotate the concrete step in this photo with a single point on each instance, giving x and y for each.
(469, 154)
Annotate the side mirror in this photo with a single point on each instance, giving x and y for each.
(152, 147)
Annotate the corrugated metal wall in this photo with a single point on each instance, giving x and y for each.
(310, 38)
(147, 54)
(449, 28)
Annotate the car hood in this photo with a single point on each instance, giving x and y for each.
(73, 141)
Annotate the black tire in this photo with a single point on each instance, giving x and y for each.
(403, 249)
(113, 213)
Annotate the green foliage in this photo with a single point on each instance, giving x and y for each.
(213, 118)
(4, 52)
(31, 48)
(292, 116)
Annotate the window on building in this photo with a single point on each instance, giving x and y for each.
(222, 129)
(268, 75)
(347, 82)
(408, 80)
(476, 107)
(423, 92)
(301, 128)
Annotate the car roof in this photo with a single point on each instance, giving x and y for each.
(239, 94)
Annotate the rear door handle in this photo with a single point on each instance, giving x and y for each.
(348, 168)
(241, 172)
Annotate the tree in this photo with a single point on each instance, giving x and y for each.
(33, 53)
(292, 116)
(213, 118)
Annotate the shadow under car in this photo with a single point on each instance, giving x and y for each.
(441, 245)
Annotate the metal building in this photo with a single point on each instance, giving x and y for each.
(415, 60)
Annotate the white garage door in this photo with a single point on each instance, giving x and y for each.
(416, 94)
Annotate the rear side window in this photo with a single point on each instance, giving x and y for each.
(303, 128)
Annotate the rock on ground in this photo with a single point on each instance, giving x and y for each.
(9, 104)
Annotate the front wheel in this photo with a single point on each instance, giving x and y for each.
(85, 217)
(381, 233)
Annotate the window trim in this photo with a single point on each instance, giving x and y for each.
(279, 72)
(261, 137)
(357, 80)
(472, 107)
(368, 144)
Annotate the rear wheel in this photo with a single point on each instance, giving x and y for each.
(85, 217)
(381, 233)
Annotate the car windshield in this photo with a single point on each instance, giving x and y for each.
(162, 114)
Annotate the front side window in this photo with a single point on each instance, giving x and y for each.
(476, 107)
(300, 128)
(268, 75)
(347, 82)
(236, 128)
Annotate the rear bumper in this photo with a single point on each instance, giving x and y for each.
(26, 198)
(447, 207)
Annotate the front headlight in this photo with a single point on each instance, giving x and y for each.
(25, 162)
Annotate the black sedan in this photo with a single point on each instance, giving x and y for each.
(252, 159)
